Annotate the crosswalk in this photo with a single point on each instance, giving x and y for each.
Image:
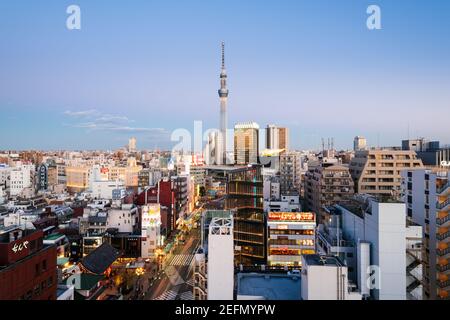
(181, 260)
(168, 295)
(188, 295)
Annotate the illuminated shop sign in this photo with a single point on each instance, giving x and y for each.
(151, 215)
(290, 252)
(43, 176)
(292, 216)
(284, 252)
(19, 247)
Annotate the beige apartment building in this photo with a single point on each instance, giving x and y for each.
(78, 178)
(326, 185)
(128, 174)
(378, 171)
(246, 143)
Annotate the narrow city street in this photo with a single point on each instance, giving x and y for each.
(174, 281)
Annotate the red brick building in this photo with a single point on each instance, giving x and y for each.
(164, 194)
(27, 267)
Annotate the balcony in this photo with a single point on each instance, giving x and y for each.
(443, 284)
(443, 268)
(442, 205)
(442, 236)
(443, 252)
(443, 189)
(441, 221)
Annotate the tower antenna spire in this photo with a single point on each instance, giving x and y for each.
(223, 55)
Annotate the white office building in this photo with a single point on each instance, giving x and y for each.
(220, 268)
(326, 278)
(21, 178)
(379, 233)
(123, 218)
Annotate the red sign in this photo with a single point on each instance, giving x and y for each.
(104, 170)
(292, 216)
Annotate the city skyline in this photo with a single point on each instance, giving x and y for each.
(233, 154)
(94, 88)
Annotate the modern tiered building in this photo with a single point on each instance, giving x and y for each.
(244, 188)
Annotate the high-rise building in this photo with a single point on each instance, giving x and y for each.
(211, 149)
(244, 187)
(378, 244)
(359, 143)
(290, 172)
(21, 177)
(426, 192)
(246, 143)
(132, 145)
(429, 152)
(419, 145)
(290, 235)
(223, 95)
(213, 264)
(220, 259)
(377, 171)
(325, 185)
(277, 137)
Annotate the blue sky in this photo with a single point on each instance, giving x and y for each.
(145, 68)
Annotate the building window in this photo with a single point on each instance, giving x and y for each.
(44, 265)
(49, 282)
(37, 290)
(28, 295)
(33, 245)
(36, 269)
